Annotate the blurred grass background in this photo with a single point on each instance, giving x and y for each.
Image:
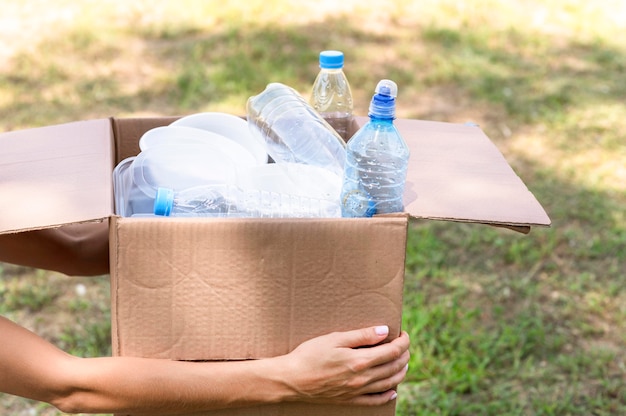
(501, 323)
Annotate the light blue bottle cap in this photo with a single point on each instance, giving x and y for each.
(164, 202)
(358, 203)
(383, 104)
(331, 59)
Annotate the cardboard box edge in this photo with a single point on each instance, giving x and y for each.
(118, 126)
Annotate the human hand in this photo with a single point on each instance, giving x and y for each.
(334, 369)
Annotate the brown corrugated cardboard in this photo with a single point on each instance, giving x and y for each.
(253, 288)
(278, 282)
(457, 173)
(56, 175)
(195, 289)
(303, 409)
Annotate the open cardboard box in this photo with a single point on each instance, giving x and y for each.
(232, 289)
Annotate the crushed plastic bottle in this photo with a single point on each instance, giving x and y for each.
(292, 131)
(376, 160)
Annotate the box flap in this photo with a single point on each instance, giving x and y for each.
(456, 173)
(56, 175)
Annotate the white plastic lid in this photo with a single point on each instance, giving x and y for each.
(227, 125)
(181, 167)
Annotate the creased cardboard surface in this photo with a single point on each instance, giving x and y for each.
(55, 175)
(457, 173)
(190, 290)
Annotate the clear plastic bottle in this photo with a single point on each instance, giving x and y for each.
(292, 131)
(331, 95)
(230, 201)
(376, 161)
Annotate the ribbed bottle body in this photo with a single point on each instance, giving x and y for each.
(375, 171)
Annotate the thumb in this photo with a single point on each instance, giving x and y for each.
(362, 337)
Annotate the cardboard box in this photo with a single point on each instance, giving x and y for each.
(231, 289)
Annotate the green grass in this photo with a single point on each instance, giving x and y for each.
(501, 323)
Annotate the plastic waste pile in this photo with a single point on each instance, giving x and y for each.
(284, 160)
(210, 164)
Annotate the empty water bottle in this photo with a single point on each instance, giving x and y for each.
(231, 201)
(293, 131)
(376, 161)
(331, 95)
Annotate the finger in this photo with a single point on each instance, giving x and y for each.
(361, 337)
(388, 352)
(385, 383)
(383, 377)
(389, 369)
(377, 399)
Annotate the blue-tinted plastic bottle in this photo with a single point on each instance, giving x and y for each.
(376, 160)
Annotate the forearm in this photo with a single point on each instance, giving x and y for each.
(151, 386)
(31, 367)
(327, 369)
(80, 249)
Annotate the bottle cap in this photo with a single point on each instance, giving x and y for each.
(331, 59)
(383, 104)
(164, 201)
(358, 203)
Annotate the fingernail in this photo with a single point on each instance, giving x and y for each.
(382, 330)
(406, 367)
(393, 396)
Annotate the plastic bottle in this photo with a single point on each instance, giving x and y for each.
(331, 95)
(231, 201)
(376, 161)
(293, 131)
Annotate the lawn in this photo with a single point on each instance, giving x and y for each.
(501, 323)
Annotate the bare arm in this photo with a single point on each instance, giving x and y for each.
(327, 369)
(80, 249)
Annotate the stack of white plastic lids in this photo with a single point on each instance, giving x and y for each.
(195, 150)
(227, 125)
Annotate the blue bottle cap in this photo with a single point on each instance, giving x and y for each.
(358, 203)
(331, 59)
(164, 202)
(383, 104)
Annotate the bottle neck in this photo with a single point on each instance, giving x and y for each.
(332, 70)
(381, 119)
